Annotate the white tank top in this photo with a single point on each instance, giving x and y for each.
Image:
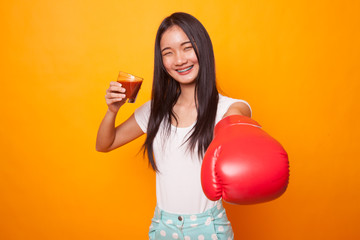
(178, 183)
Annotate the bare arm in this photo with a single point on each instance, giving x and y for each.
(238, 108)
(109, 137)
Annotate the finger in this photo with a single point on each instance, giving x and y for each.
(114, 100)
(112, 95)
(114, 83)
(117, 89)
(108, 96)
(116, 95)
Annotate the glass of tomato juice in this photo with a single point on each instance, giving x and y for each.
(131, 83)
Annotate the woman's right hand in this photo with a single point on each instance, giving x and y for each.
(115, 96)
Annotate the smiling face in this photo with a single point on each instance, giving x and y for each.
(178, 55)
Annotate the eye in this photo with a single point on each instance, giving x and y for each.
(166, 53)
(188, 48)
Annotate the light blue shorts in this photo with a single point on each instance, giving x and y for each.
(211, 224)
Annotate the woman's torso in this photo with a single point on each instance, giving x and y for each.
(178, 183)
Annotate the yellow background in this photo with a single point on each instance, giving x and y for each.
(296, 63)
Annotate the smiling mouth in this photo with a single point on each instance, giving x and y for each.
(186, 69)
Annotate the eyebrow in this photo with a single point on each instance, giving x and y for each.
(180, 45)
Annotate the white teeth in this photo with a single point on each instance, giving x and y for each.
(187, 69)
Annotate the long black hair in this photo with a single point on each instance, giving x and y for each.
(166, 91)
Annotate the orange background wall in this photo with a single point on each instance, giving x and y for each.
(296, 63)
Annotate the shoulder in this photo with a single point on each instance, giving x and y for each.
(142, 115)
(144, 108)
(233, 106)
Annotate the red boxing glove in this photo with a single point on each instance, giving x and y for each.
(243, 164)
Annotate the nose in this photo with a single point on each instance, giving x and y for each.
(180, 59)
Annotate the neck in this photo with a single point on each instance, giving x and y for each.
(187, 96)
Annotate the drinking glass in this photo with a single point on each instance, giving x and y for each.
(131, 83)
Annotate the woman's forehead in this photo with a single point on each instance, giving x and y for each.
(173, 36)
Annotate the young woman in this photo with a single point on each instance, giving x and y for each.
(179, 122)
